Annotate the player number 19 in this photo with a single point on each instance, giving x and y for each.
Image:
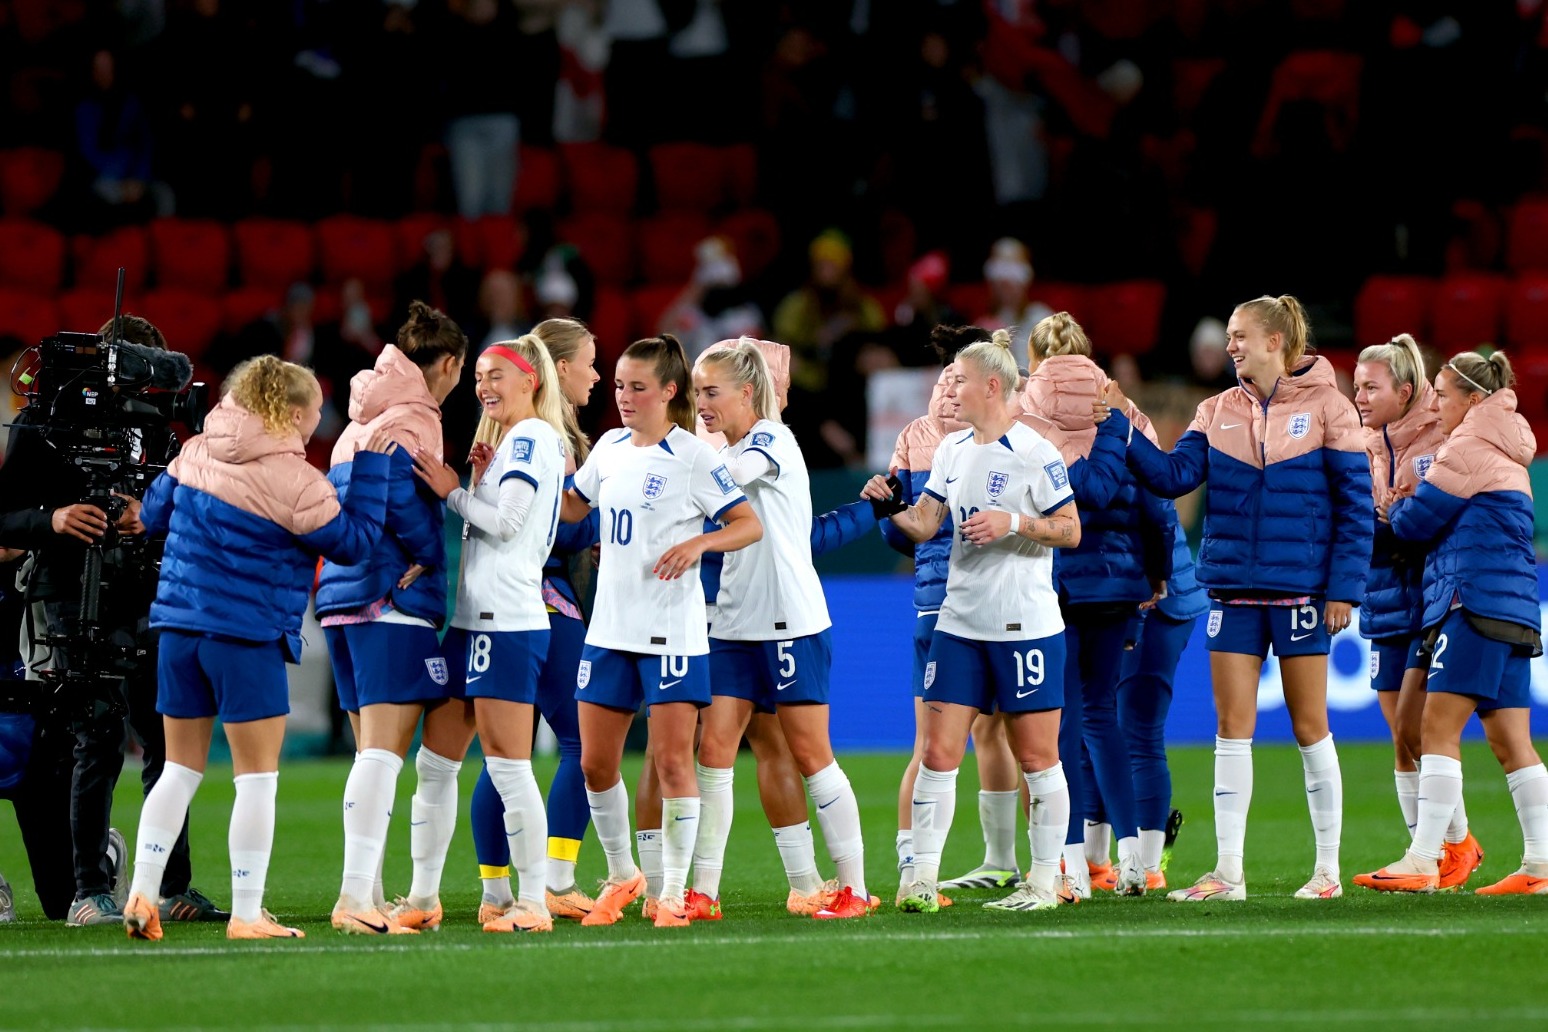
(1029, 668)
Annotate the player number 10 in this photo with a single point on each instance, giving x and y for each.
(620, 526)
(1029, 668)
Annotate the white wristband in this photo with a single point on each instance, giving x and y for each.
(1015, 523)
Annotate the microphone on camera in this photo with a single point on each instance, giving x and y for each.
(151, 367)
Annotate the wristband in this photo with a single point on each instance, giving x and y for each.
(1015, 523)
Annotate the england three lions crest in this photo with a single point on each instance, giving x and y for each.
(437, 669)
(996, 485)
(1422, 465)
(583, 674)
(1299, 425)
(654, 485)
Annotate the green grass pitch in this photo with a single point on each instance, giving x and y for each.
(1363, 961)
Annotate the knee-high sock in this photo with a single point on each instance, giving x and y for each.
(997, 818)
(1529, 790)
(1325, 800)
(1233, 797)
(610, 816)
(1050, 822)
(716, 803)
(1457, 830)
(1407, 782)
(433, 818)
(526, 825)
(1440, 786)
(1099, 843)
(368, 796)
(799, 855)
(904, 844)
(935, 804)
(251, 840)
(161, 820)
(679, 830)
(838, 814)
(648, 844)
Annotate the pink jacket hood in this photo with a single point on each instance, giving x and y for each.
(236, 436)
(1494, 423)
(1060, 392)
(1414, 437)
(392, 396)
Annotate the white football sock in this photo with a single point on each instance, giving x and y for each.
(368, 795)
(526, 825)
(799, 855)
(997, 818)
(1529, 790)
(648, 844)
(432, 819)
(250, 840)
(1050, 824)
(498, 891)
(679, 831)
(1325, 800)
(935, 804)
(838, 814)
(716, 805)
(161, 821)
(904, 844)
(561, 875)
(1151, 843)
(1407, 782)
(1129, 847)
(1099, 843)
(610, 818)
(1233, 797)
(1457, 830)
(1440, 786)
(1074, 856)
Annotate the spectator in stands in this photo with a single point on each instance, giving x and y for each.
(1008, 272)
(922, 309)
(439, 278)
(829, 307)
(480, 98)
(113, 137)
(563, 286)
(501, 313)
(715, 305)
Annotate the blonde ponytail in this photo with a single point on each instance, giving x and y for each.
(743, 363)
(1403, 360)
(1059, 334)
(1478, 374)
(993, 358)
(269, 387)
(1285, 316)
(563, 339)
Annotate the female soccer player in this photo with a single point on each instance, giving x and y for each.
(1123, 561)
(574, 351)
(769, 645)
(1402, 435)
(654, 483)
(1473, 508)
(382, 616)
(999, 641)
(245, 518)
(500, 628)
(1287, 543)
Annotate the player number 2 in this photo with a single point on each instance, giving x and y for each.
(620, 527)
(1029, 668)
(478, 658)
(786, 659)
(1440, 650)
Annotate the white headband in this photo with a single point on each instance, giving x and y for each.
(1469, 379)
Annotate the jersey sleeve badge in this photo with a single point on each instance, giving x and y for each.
(722, 477)
(522, 449)
(1058, 474)
(762, 439)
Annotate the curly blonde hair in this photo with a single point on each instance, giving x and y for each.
(269, 387)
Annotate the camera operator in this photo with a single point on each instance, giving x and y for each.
(44, 514)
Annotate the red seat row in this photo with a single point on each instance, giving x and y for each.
(1121, 318)
(1456, 312)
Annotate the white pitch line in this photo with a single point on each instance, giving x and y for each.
(421, 945)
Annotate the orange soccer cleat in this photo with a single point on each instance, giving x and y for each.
(572, 906)
(1522, 883)
(1403, 876)
(521, 916)
(845, 905)
(615, 895)
(672, 912)
(701, 907)
(1458, 863)
(419, 919)
(263, 928)
(353, 918)
(1103, 876)
(142, 919)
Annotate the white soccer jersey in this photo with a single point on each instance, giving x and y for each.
(501, 587)
(651, 499)
(770, 590)
(1003, 591)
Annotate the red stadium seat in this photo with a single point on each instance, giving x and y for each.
(970, 299)
(85, 309)
(1467, 312)
(29, 316)
(97, 259)
(667, 243)
(492, 241)
(411, 231)
(1328, 78)
(612, 324)
(538, 180)
(188, 320)
(1389, 305)
(32, 256)
(1125, 318)
(688, 176)
(605, 242)
(1527, 245)
(602, 178)
(274, 252)
(1526, 312)
(350, 247)
(246, 305)
(1068, 297)
(741, 166)
(29, 179)
(754, 235)
(1530, 364)
(191, 254)
(649, 304)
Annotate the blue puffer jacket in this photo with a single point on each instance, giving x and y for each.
(1185, 599)
(246, 518)
(1475, 507)
(1289, 506)
(392, 396)
(571, 539)
(830, 531)
(1126, 532)
(911, 460)
(1400, 454)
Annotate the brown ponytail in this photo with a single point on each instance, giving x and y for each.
(670, 362)
(429, 334)
(1478, 374)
